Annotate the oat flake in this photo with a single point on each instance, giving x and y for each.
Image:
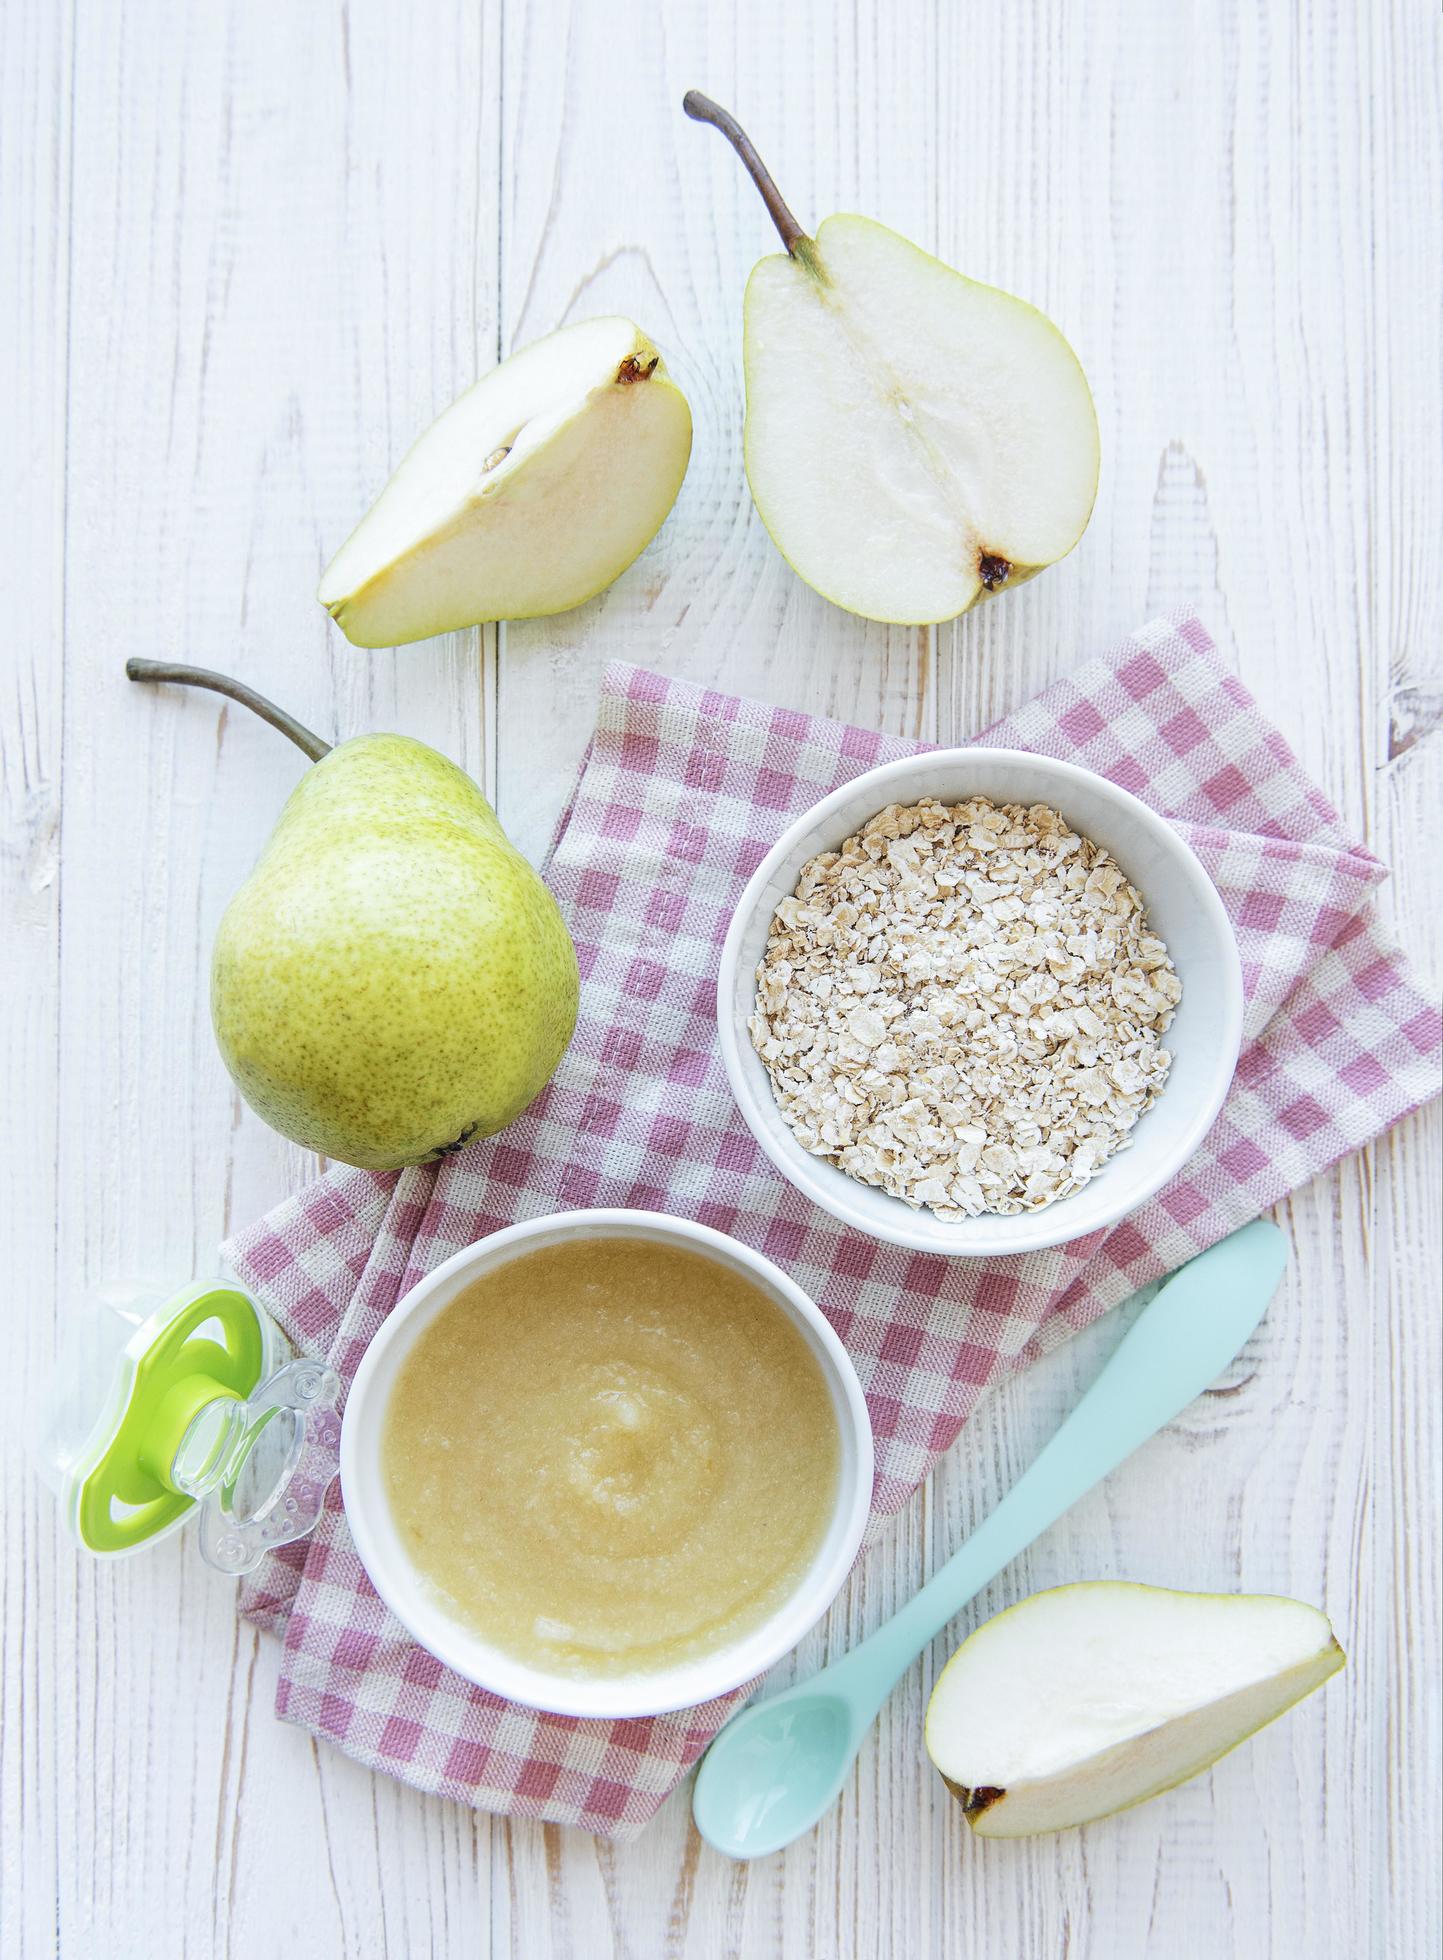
(965, 1006)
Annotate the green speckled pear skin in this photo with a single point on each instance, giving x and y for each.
(394, 979)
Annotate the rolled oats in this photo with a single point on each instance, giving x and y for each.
(964, 1005)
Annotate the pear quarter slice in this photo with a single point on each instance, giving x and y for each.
(1082, 1701)
(531, 493)
(915, 441)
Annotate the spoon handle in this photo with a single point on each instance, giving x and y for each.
(1181, 1340)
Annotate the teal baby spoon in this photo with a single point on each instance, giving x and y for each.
(775, 1769)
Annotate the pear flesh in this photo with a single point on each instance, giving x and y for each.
(1082, 1701)
(531, 493)
(915, 441)
(394, 978)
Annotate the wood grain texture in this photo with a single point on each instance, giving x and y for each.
(249, 249)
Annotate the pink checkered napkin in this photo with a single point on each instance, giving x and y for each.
(681, 794)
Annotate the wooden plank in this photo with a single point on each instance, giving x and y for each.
(1201, 267)
(267, 300)
(35, 164)
(615, 202)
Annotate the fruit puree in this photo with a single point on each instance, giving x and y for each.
(612, 1456)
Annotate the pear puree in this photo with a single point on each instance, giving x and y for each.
(611, 1456)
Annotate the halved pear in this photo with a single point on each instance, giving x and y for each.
(1081, 1701)
(915, 441)
(533, 491)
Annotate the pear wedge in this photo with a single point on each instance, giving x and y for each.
(915, 441)
(1085, 1700)
(530, 494)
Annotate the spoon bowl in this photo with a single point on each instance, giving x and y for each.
(774, 1770)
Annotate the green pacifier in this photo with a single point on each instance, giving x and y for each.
(192, 1403)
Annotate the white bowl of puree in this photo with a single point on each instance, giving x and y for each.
(607, 1463)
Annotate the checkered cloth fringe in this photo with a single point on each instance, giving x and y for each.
(680, 795)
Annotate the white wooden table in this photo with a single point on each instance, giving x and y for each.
(249, 250)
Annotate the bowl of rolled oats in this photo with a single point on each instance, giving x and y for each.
(980, 1002)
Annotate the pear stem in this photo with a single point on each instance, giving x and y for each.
(165, 670)
(702, 109)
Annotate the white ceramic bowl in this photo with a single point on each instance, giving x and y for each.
(417, 1607)
(1183, 907)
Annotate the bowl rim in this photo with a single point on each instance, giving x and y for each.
(402, 1588)
(797, 1165)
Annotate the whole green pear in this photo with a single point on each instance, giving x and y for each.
(393, 979)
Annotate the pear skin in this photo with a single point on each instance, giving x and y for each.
(393, 979)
